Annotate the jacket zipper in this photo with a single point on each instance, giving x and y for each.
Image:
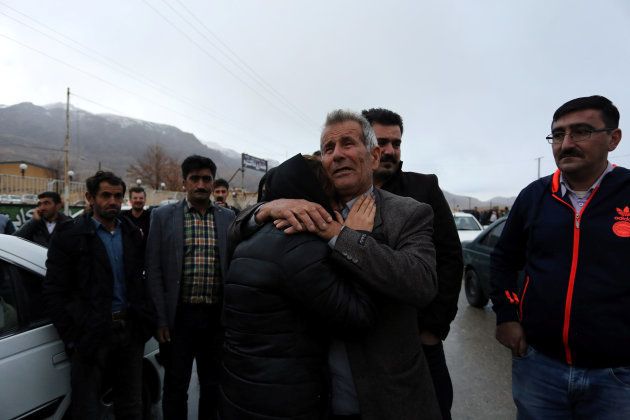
(520, 304)
(574, 262)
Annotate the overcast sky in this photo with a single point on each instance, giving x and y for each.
(476, 82)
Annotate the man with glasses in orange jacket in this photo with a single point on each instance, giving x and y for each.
(568, 322)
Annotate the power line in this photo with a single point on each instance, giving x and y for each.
(119, 87)
(104, 60)
(213, 58)
(236, 60)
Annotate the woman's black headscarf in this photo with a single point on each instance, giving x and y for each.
(294, 178)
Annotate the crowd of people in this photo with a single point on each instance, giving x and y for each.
(332, 296)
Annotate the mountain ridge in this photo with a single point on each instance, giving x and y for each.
(109, 141)
(36, 133)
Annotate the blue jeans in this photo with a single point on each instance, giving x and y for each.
(545, 388)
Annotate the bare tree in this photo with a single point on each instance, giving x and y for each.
(155, 167)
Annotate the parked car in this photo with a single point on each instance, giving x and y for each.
(477, 263)
(34, 367)
(29, 198)
(468, 227)
(15, 199)
(4, 199)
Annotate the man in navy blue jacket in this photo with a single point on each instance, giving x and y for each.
(568, 323)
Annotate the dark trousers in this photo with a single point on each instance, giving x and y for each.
(197, 335)
(120, 361)
(441, 378)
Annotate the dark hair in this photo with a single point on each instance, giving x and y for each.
(196, 162)
(262, 186)
(315, 165)
(383, 116)
(609, 112)
(55, 197)
(220, 182)
(93, 183)
(137, 190)
(300, 177)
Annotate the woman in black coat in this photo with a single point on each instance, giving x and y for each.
(283, 300)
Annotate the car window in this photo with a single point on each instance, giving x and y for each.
(493, 235)
(8, 306)
(22, 305)
(466, 223)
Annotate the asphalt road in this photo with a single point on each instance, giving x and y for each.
(481, 369)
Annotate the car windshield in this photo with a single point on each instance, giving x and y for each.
(466, 223)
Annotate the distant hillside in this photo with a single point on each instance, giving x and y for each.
(464, 203)
(36, 134)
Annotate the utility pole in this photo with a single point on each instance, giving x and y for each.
(66, 147)
(538, 159)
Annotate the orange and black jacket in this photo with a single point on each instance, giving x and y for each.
(574, 301)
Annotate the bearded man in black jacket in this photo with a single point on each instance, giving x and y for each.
(434, 320)
(95, 294)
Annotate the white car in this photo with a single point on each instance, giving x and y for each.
(29, 199)
(468, 227)
(15, 199)
(34, 367)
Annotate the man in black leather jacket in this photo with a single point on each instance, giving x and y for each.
(46, 216)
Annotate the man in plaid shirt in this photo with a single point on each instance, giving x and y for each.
(186, 264)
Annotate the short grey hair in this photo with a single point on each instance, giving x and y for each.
(342, 115)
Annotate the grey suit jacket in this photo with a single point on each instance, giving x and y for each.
(398, 262)
(165, 255)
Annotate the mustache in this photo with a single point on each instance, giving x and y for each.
(201, 190)
(570, 153)
(388, 158)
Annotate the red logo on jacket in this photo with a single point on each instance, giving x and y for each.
(621, 228)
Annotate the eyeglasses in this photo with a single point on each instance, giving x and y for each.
(576, 134)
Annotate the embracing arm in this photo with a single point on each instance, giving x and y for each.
(406, 271)
(324, 291)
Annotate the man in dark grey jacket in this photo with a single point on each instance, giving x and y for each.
(45, 218)
(186, 262)
(384, 375)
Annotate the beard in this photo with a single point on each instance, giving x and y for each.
(109, 213)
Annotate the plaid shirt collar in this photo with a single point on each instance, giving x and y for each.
(188, 207)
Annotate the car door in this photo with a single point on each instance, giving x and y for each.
(480, 253)
(34, 369)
